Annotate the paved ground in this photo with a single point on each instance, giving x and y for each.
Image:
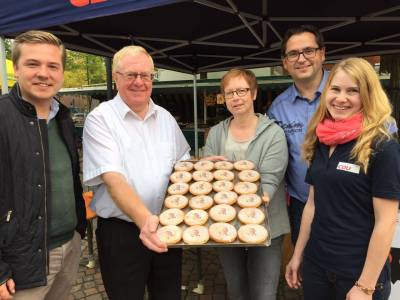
(89, 285)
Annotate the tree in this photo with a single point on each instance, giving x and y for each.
(8, 44)
(83, 69)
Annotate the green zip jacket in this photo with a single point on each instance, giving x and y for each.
(268, 150)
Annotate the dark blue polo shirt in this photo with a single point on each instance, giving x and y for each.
(344, 214)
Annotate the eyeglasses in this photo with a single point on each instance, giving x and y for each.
(294, 55)
(131, 76)
(240, 92)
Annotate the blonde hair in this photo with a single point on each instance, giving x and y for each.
(132, 51)
(376, 110)
(36, 37)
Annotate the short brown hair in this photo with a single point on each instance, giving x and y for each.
(36, 37)
(246, 74)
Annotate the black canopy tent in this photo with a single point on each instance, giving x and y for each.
(195, 36)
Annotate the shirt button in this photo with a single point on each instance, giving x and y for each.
(40, 250)
(39, 186)
(37, 153)
(40, 217)
(31, 123)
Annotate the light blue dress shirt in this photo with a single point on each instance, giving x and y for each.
(292, 112)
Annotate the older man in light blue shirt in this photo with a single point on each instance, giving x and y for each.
(303, 54)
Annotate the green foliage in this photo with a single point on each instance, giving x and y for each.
(83, 69)
(8, 44)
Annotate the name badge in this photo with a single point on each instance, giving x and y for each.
(348, 167)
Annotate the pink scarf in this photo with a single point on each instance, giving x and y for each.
(331, 132)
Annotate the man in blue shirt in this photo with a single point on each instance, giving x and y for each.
(303, 54)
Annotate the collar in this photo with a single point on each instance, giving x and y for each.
(123, 109)
(296, 95)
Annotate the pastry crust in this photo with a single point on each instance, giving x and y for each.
(196, 235)
(170, 234)
(201, 202)
(249, 176)
(222, 232)
(204, 165)
(251, 215)
(225, 197)
(222, 213)
(180, 176)
(179, 188)
(249, 200)
(224, 175)
(252, 234)
(196, 217)
(200, 188)
(223, 165)
(183, 166)
(171, 216)
(176, 201)
(222, 185)
(203, 176)
(241, 165)
(245, 188)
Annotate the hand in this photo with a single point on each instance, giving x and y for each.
(356, 294)
(7, 289)
(292, 274)
(266, 198)
(215, 157)
(148, 235)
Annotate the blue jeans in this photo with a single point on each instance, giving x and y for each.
(296, 208)
(252, 273)
(319, 283)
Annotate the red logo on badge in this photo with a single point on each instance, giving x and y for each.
(346, 168)
(80, 3)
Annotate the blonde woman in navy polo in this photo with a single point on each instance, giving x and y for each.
(354, 175)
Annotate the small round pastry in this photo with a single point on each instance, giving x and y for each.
(245, 188)
(203, 176)
(183, 166)
(223, 165)
(252, 234)
(196, 217)
(179, 188)
(201, 202)
(170, 234)
(222, 213)
(224, 175)
(196, 235)
(249, 200)
(225, 197)
(222, 185)
(200, 188)
(249, 175)
(176, 201)
(251, 215)
(172, 216)
(241, 165)
(180, 176)
(222, 232)
(204, 165)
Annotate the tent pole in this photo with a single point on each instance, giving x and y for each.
(3, 66)
(196, 137)
(109, 78)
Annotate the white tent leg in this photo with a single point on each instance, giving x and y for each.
(3, 66)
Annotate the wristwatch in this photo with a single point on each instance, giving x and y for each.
(366, 290)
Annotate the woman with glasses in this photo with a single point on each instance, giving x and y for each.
(354, 175)
(252, 273)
